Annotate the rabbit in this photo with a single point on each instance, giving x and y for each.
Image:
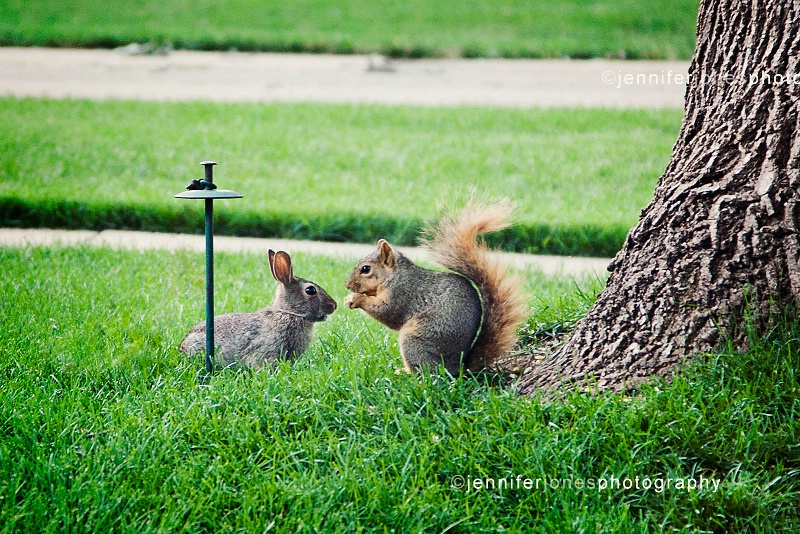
(282, 330)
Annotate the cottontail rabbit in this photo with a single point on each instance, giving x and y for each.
(282, 330)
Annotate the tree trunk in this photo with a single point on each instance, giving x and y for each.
(722, 229)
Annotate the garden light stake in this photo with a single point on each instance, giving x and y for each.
(206, 189)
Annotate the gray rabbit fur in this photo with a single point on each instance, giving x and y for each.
(282, 330)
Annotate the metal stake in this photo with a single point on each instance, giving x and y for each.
(206, 190)
(209, 167)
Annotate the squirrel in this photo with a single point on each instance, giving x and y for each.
(467, 318)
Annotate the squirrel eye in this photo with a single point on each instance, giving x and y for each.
(311, 290)
(365, 269)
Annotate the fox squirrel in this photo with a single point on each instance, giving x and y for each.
(464, 319)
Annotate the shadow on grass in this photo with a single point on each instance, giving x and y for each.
(579, 240)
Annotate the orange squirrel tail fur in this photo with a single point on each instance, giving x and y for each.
(454, 244)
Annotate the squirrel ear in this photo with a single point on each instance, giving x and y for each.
(281, 265)
(385, 253)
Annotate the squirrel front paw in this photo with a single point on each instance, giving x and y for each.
(353, 300)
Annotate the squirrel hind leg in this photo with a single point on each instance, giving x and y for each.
(418, 351)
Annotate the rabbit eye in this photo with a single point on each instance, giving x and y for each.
(311, 290)
(365, 269)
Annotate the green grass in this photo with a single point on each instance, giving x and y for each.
(415, 28)
(103, 426)
(332, 172)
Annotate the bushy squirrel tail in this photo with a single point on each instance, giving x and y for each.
(454, 244)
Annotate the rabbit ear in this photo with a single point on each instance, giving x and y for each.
(281, 265)
(272, 263)
(385, 253)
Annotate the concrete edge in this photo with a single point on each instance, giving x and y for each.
(121, 239)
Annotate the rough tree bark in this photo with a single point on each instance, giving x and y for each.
(723, 222)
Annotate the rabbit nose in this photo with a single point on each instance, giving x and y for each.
(331, 307)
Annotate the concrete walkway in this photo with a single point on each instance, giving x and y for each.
(13, 237)
(250, 77)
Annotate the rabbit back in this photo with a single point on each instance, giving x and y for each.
(252, 339)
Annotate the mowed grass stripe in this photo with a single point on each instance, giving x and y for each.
(415, 28)
(333, 172)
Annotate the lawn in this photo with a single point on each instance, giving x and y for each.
(333, 172)
(662, 29)
(103, 426)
